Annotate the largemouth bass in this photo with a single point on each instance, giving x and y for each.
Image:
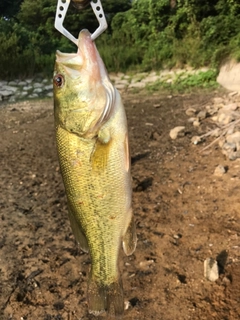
(92, 143)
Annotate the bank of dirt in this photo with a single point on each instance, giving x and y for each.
(184, 214)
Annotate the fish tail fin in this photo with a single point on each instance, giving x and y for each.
(107, 298)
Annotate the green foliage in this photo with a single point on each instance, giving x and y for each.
(142, 34)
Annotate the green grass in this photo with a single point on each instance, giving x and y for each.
(186, 83)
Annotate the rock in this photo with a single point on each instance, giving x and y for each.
(155, 136)
(23, 94)
(49, 94)
(230, 107)
(211, 271)
(212, 110)
(33, 96)
(196, 123)
(174, 133)
(221, 142)
(5, 93)
(192, 119)
(3, 83)
(225, 118)
(229, 76)
(10, 88)
(190, 112)
(216, 133)
(232, 94)
(37, 85)
(48, 87)
(220, 171)
(196, 140)
(120, 86)
(230, 130)
(38, 90)
(215, 118)
(218, 100)
(27, 88)
(136, 85)
(234, 155)
(145, 264)
(12, 99)
(233, 138)
(12, 83)
(22, 83)
(202, 115)
(229, 146)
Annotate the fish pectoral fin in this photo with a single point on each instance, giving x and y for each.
(130, 238)
(78, 232)
(100, 154)
(109, 298)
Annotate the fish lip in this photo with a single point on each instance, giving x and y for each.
(63, 57)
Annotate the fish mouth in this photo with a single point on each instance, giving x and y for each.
(86, 51)
(69, 59)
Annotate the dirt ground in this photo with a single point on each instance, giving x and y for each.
(184, 214)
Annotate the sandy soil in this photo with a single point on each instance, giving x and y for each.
(184, 215)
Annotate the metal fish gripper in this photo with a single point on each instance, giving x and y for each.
(62, 7)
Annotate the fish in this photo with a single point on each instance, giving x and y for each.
(93, 151)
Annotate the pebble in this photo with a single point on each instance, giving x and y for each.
(234, 137)
(216, 133)
(37, 85)
(230, 107)
(38, 90)
(220, 170)
(146, 264)
(229, 146)
(218, 100)
(221, 142)
(196, 123)
(234, 155)
(174, 133)
(225, 118)
(191, 112)
(202, 115)
(211, 271)
(191, 120)
(196, 140)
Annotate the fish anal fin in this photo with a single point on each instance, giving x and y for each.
(130, 238)
(78, 232)
(109, 298)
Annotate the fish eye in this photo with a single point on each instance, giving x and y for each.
(58, 80)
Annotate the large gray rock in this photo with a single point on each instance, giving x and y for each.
(48, 87)
(10, 88)
(13, 83)
(5, 93)
(229, 76)
(22, 83)
(38, 90)
(37, 85)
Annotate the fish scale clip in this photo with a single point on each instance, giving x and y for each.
(62, 7)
